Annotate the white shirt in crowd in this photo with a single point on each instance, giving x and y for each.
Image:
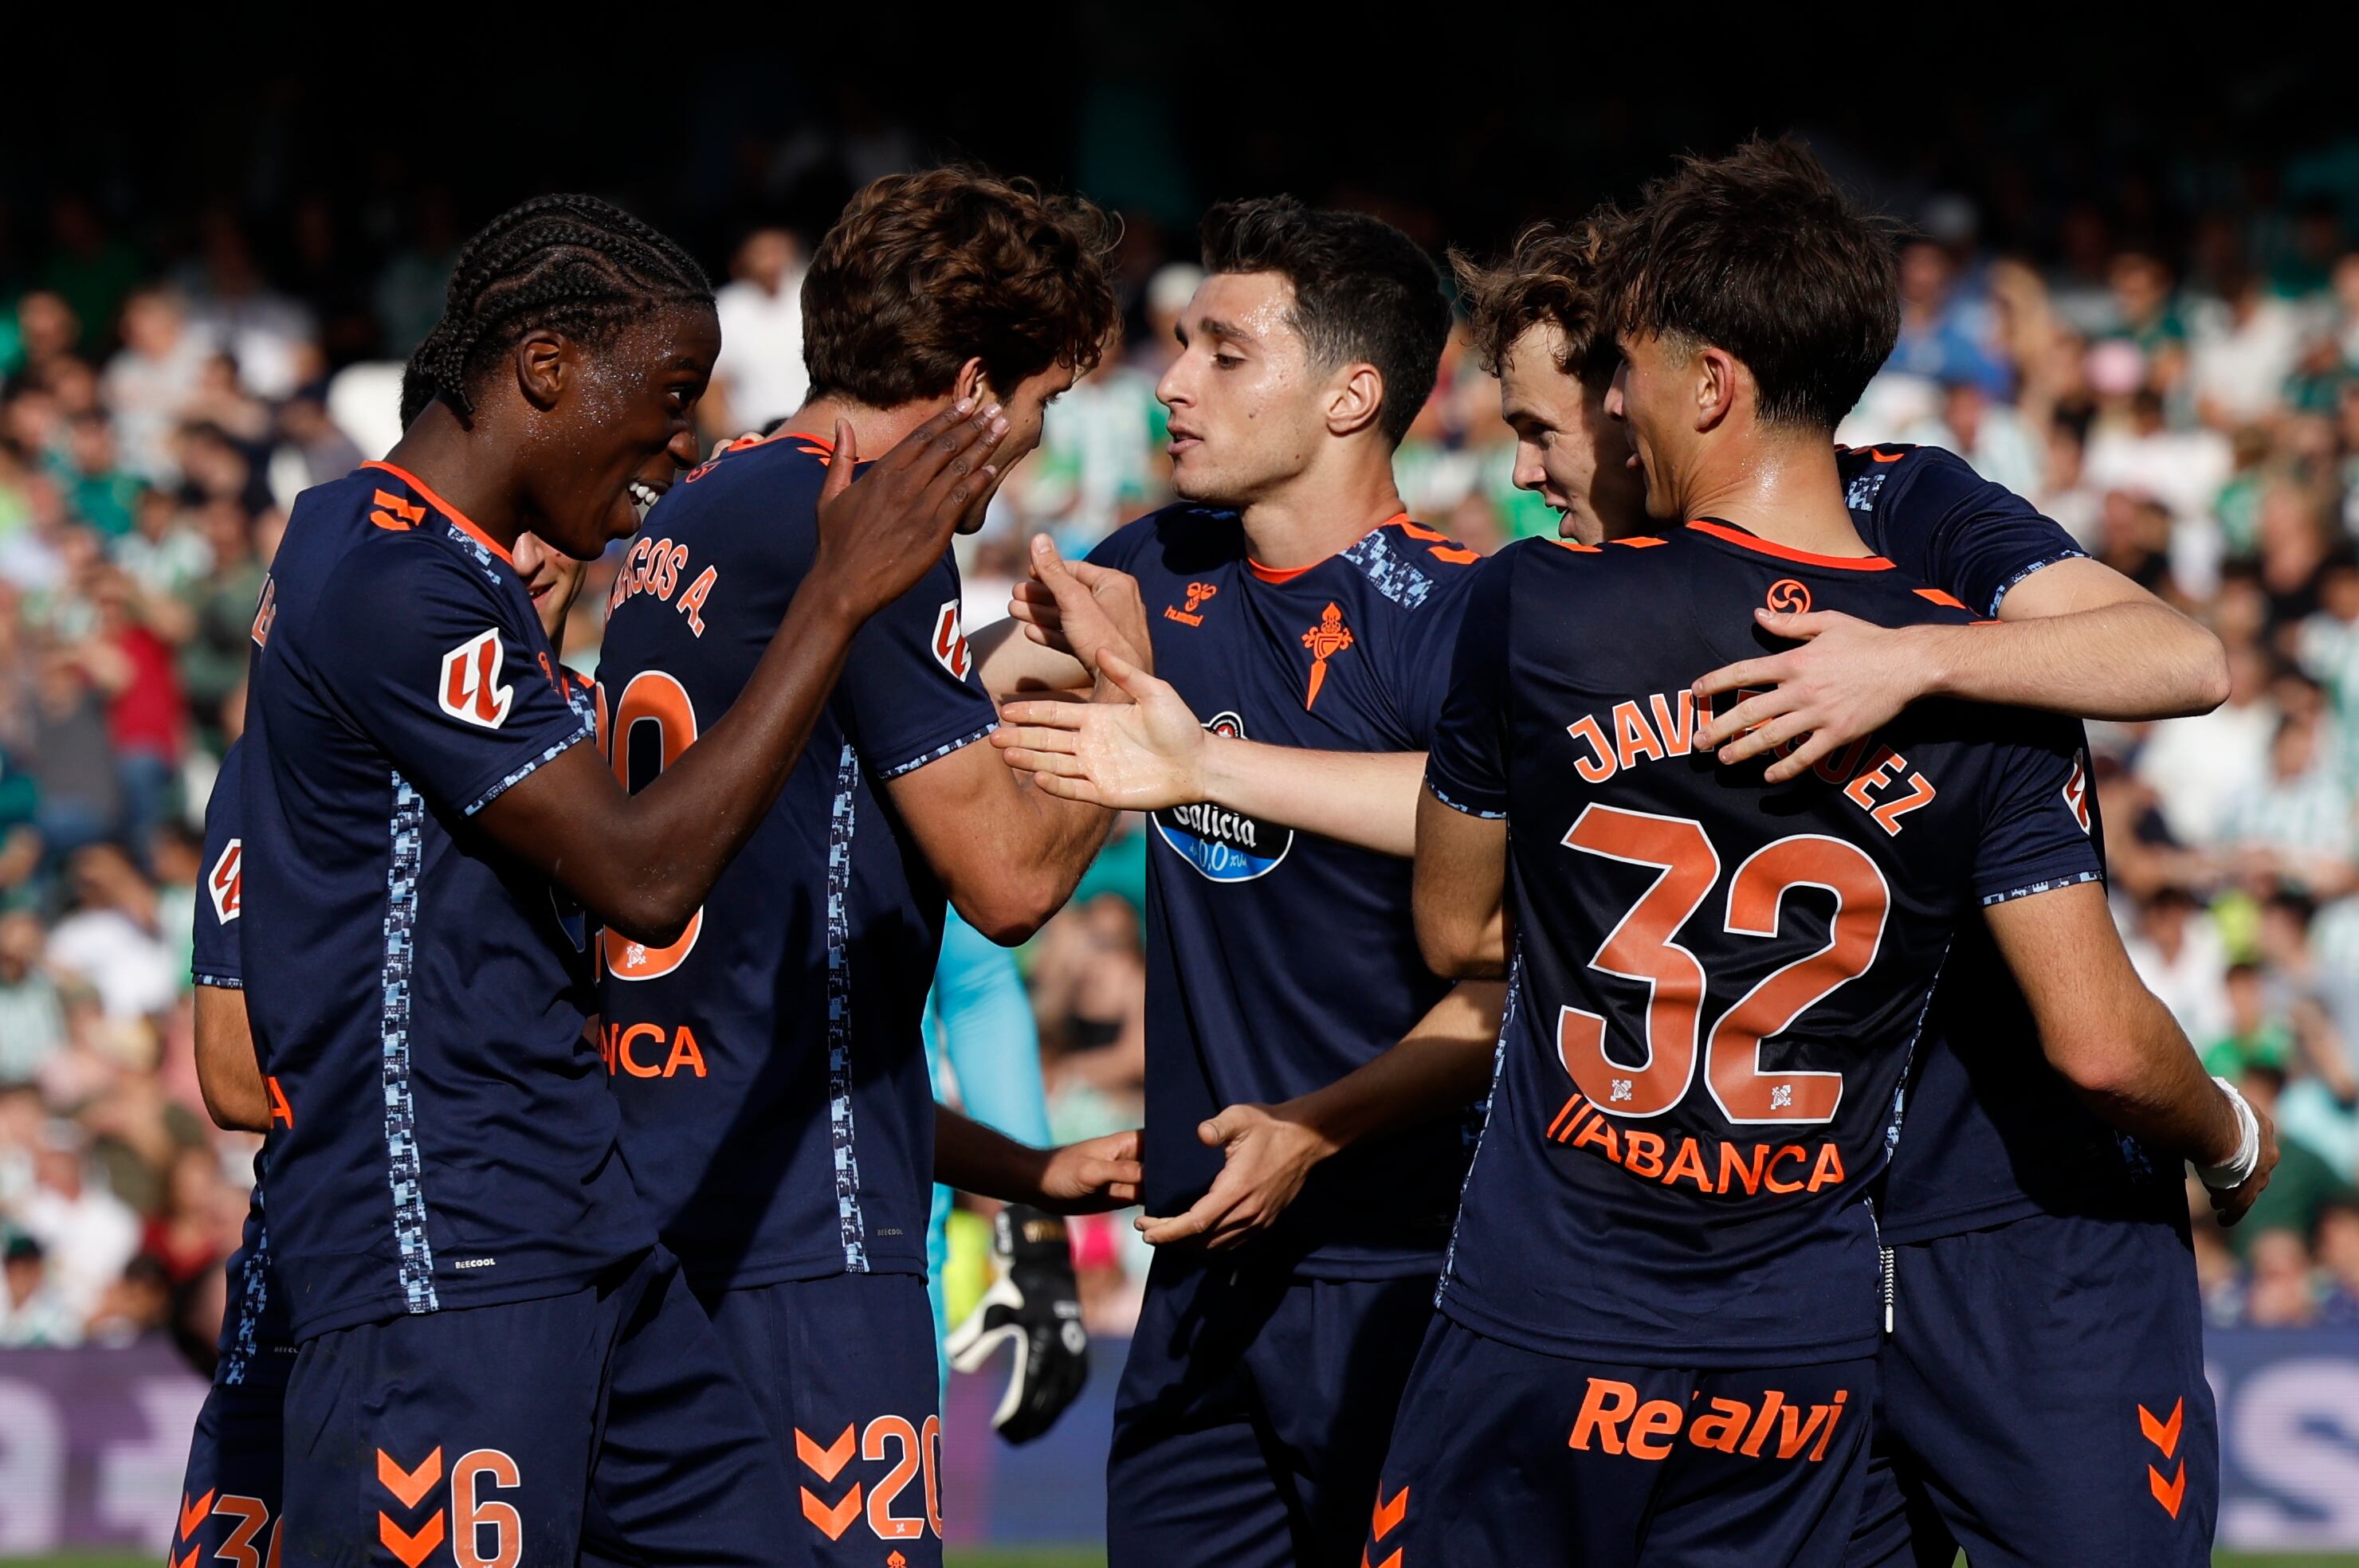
(761, 361)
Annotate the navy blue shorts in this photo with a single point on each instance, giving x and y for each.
(230, 1493)
(1506, 1455)
(843, 1369)
(518, 1433)
(2043, 1401)
(1252, 1412)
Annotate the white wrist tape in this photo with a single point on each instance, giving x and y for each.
(2237, 1171)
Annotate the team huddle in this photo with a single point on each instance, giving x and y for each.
(1684, 939)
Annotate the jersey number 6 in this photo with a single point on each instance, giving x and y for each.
(651, 698)
(1644, 948)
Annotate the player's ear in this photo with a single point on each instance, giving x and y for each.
(972, 383)
(1716, 373)
(543, 360)
(1354, 398)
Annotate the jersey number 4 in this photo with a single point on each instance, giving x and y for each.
(1644, 947)
(651, 698)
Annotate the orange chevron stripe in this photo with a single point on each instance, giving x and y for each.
(1388, 1514)
(409, 1486)
(832, 1521)
(1392, 1562)
(411, 1549)
(826, 1462)
(2163, 1435)
(193, 1514)
(188, 1562)
(2167, 1493)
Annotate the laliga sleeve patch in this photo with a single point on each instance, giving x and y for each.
(223, 884)
(471, 689)
(2076, 790)
(950, 642)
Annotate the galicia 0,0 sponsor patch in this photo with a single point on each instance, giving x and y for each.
(1226, 845)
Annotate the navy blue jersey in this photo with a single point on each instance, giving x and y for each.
(777, 1109)
(415, 990)
(1717, 981)
(1277, 961)
(1990, 1132)
(256, 1340)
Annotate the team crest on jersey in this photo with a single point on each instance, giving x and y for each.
(1789, 597)
(1326, 640)
(2076, 790)
(471, 691)
(225, 883)
(950, 642)
(1224, 846)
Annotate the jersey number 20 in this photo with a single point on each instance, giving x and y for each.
(1644, 947)
(651, 698)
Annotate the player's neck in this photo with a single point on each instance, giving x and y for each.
(875, 432)
(1321, 511)
(467, 472)
(1785, 490)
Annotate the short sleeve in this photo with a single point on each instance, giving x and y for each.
(1948, 526)
(213, 945)
(910, 688)
(438, 668)
(1467, 765)
(2037, 834)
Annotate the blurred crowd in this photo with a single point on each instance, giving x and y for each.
(2188, 407)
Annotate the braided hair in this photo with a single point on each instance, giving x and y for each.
(569, 264)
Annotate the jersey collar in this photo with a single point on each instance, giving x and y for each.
(459, 520)
(1731, 534)
(1288, 574)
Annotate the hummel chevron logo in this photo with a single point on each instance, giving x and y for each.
(2164, 1434)
(409, 1486)
(832, 1521)
(193, 1514)
(826, 1462)
(411, 1549)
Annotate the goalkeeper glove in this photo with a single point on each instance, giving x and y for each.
(1035, 1306)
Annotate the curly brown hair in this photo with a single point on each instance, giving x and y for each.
(1549, 278)
(926, 270)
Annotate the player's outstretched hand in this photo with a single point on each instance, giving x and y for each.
(1849, 678)
(1268, 1156)
(1080, 609)
(876, 538)
(1091, 1176)
(2234, 1203)
(1140, 756)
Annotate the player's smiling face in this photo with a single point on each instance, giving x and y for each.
(1567, 451)
(1653, 400)
(622, 427)
(1247, 413)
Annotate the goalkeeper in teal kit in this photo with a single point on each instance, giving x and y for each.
(979, 1019)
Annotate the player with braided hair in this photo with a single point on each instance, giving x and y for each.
(492, 1348)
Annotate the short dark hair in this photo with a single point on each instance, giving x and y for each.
(569, 264)
(926, 270)
(1363, 290)
(1759, 253)
(1549, 278)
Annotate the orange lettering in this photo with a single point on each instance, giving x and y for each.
(1732, 1168)
(1721, 1426)
(1791, 1439)
(1887, 816)
(1829, 1170)
(691, 603)
(1601, 1133)
(1769, 1403)
(1688, 1161)
(1836, 766)
(1643, 1155)
(1877, 773)
(1834, 1415)
(280, 1112)
(1655, 1419)
(1771, 1181)
(1601, 768)
(1602, 1411)
(623, 1050)
(684, 1053)
(1679, 733)
(1632, 738)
